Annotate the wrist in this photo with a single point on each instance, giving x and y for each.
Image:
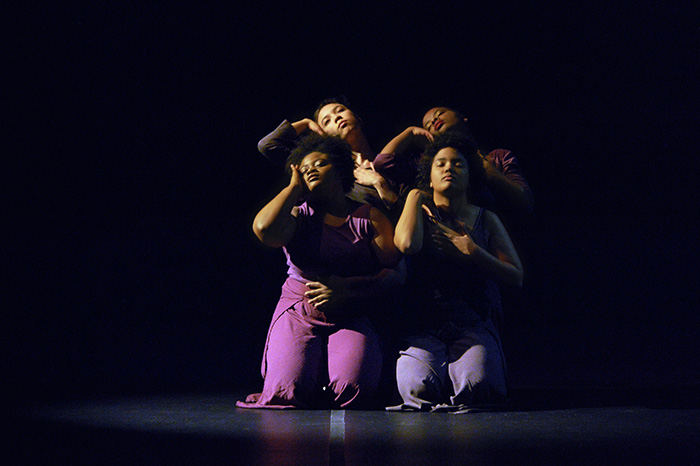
(295, 189)
(301, 125)
(380, 182)
(476, 251)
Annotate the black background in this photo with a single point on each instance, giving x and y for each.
(133, 176)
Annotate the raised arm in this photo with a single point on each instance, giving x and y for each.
(408, 237)
(275, 224)
(366, 175)
(307, 124)
(383, 242)
(277, 145)
(412, 136)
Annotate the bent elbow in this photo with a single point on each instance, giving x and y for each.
(265, 237)
(406, 246)
(518, 280)
(259, 229)
(519, 283)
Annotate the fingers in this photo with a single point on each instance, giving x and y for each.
(316, 290)
(440, 238)
(448, 231)
(317, 298)
(318, 302)
(313, 126)
(424, 132)
(319, 295)
(313, 293)
(295, 171)
(365, 164)
(430, 214)
(296, 178)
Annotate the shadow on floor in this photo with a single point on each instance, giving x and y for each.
(541, 426)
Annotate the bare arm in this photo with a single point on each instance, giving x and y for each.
(383, 242)
(508, 269)
(408, 237)
(275, 224)
(412, 136)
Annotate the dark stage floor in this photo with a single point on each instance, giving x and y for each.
(540, 427)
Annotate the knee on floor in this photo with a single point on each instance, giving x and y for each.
(425, 390)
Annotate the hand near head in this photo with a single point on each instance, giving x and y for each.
(307, 124)
(420, 136)
(411, 137)
(486, 163)
(296, 180)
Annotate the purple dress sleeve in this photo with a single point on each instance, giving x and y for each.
(506, 162)
(398, 170)
(277, 145)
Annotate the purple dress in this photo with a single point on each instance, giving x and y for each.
(452, 356)
(314, 359)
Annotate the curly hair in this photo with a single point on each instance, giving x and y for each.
(338, 151)
(463, 145)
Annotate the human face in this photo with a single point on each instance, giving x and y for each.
(449, 171)
(316, 168)
(439, 119)
(337, 120)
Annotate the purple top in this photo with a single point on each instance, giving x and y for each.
(319, 250)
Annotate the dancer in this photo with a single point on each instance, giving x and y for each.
(322, 350)
(335, 117)
(459, 254)
(505, 188)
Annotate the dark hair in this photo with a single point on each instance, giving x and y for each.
(461, 144)
(463, 129)
(338, 151)
(341, 99)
